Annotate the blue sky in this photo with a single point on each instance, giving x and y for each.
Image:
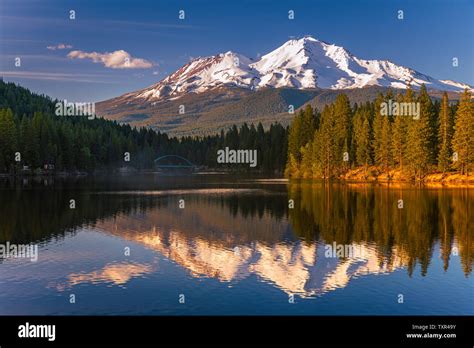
(430, 35)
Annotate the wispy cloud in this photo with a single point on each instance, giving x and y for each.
(148, 25)
(60, 46)
(115, 60)
(35, 75)
(9, 58)
(21, 40)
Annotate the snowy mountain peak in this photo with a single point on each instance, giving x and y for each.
(302, 63)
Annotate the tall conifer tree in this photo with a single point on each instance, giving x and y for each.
(463, 139)
(445, 134)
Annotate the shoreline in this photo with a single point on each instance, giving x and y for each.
(354, 176)
(396, 177)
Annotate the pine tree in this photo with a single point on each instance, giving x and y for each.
(307, 126)
(445, 134)
(300, 133)
(362, 137)
(385, 157)
(32, 141)
(382, 133)
(7, 139)
(433, 129)
(377, 139)
(399, 138)
(342, 132)
(463, 139)
(306, 170)
(292, 167)
(418, 139)
(294, 137)
(261, 145)
(427, 113)
(325, 147)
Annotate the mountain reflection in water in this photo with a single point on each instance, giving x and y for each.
(238, 232)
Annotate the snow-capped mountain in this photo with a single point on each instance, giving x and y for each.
(229, 88)
(303, 64)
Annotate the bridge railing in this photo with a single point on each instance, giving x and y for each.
(188, 163)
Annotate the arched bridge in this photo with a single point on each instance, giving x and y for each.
(173, 161)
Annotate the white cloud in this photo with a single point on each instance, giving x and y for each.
(60, 46)
(115, 60)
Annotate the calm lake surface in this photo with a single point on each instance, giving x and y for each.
(236, 248)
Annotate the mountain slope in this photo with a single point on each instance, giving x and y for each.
(201, 74)
(208, 112)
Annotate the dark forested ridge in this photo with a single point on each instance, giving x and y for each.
(29, 128)
(331, 143)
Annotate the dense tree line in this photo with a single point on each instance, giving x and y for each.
(341, 137)
(32, 135)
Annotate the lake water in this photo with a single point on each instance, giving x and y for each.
(220, 244)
